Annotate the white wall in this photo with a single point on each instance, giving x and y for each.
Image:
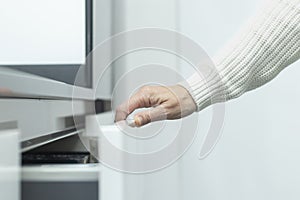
(257, 156)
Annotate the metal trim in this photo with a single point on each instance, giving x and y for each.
(46, 139)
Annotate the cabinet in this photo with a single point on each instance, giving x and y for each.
(60, 182)
(9, 164)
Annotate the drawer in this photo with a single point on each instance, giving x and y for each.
(60, 182)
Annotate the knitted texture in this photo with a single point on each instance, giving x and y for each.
(270, 43)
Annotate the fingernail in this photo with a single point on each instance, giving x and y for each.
(138, 121)
(130, 122)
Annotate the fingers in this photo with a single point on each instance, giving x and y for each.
(168, 103)
(154, 114)
(138, 100)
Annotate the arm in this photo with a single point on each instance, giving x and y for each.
(271, 43)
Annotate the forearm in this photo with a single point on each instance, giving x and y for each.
(271, 43)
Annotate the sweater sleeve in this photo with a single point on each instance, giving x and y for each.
(270, 43)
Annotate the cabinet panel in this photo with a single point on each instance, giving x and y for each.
(9, 164)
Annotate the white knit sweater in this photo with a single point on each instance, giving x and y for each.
(269, 44)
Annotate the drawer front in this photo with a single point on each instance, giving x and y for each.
(61, 182)
(9, 164)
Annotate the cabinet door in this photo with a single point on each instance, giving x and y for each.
(9, 165)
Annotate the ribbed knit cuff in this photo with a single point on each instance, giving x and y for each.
(205, 90)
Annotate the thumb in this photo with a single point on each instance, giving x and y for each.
(154, 114)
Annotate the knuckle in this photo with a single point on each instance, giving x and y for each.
(145, 90)
(146, 119)
(119, 109)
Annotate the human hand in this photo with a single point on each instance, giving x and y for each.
(172, 102)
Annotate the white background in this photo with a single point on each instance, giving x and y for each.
(42, 32)
(258, 154)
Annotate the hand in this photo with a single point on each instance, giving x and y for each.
(172, 102)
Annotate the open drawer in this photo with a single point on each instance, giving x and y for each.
(61, 182)
(47, 176)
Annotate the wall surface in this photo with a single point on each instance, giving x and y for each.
(257, 156)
